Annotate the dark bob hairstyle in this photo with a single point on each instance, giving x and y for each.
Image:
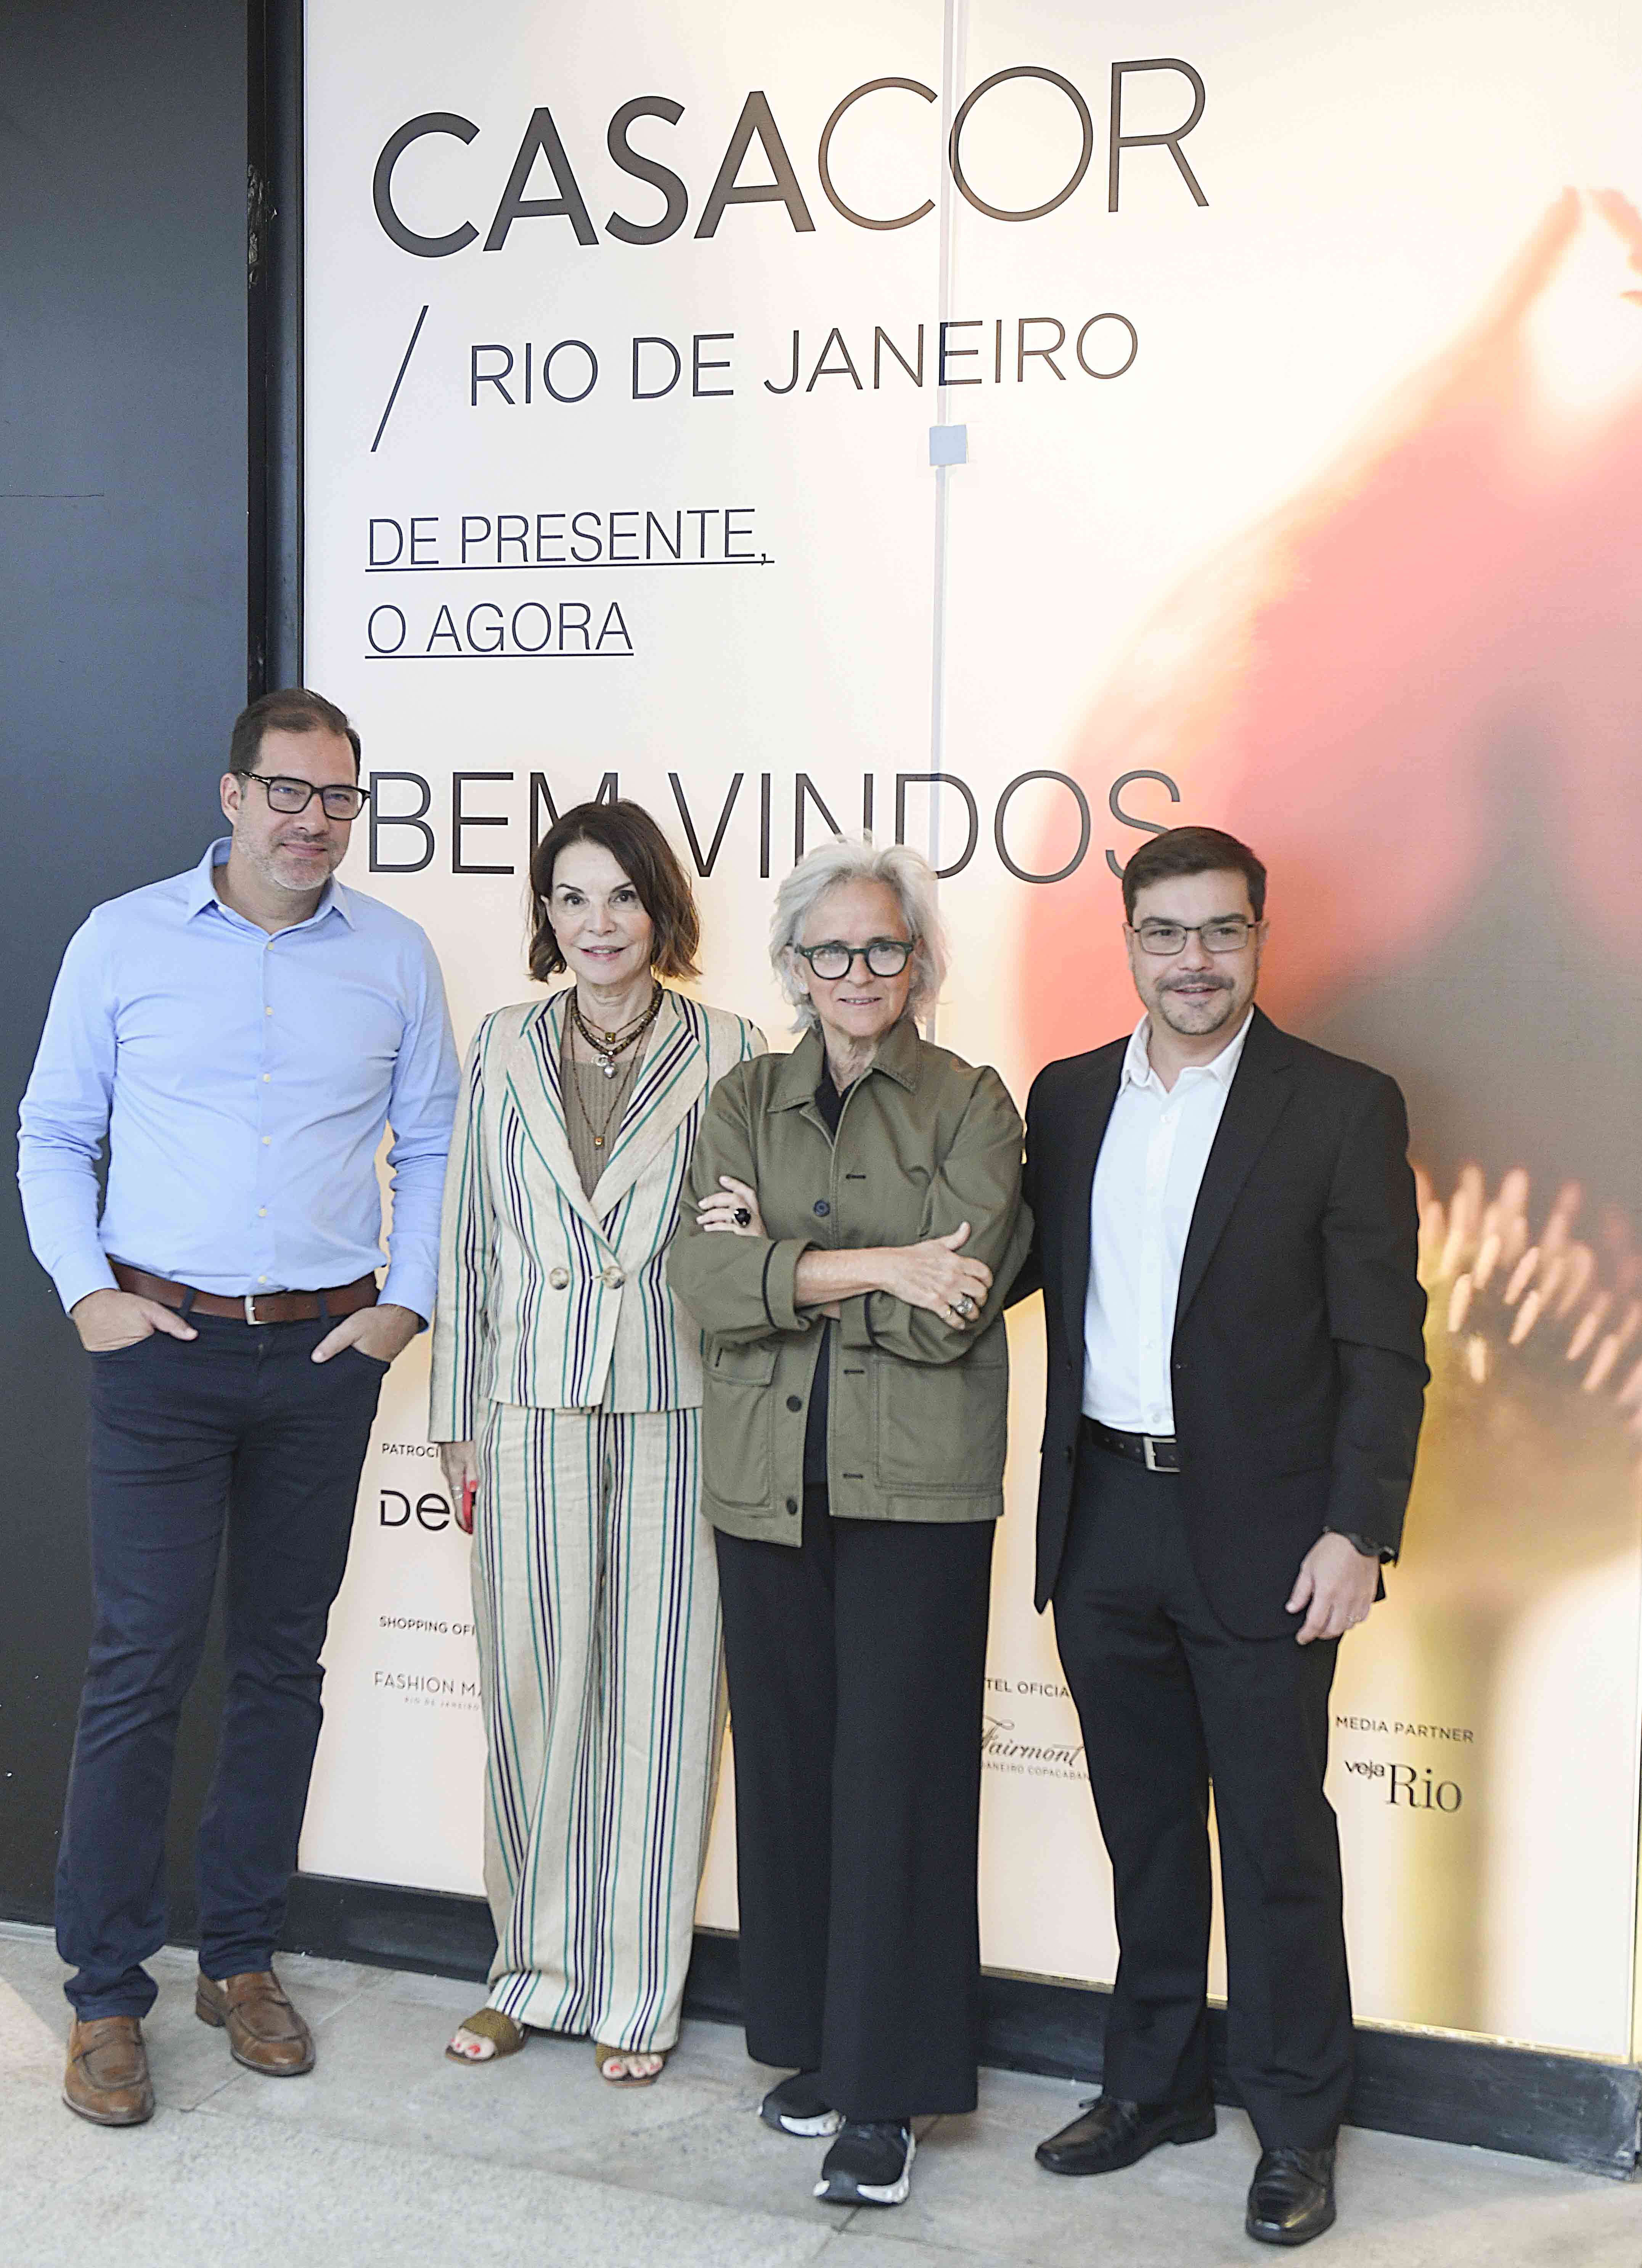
(639, 848)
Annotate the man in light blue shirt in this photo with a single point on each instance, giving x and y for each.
(241, 1035)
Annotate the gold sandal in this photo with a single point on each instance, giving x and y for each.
(603, 2055)
(505, 2036)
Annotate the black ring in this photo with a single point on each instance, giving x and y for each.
(743, 1218)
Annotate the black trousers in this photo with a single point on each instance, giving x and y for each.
(1171, 1701)
(857, 1667)
(237, 1430)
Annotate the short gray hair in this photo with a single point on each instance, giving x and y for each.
(857, 858)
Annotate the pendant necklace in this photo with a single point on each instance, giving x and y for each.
(607, 1048)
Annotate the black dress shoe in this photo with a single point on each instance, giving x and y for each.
(1291, 2199)
(1112, 2133)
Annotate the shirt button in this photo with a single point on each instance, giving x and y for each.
(822, 1208)
(267, 1138)
(794, 1401)
(559, 1279)
(267, 1012)
(261, 1213)
(262, 1279)
(266, 1075)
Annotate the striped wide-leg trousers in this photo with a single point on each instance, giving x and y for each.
(596, 1607)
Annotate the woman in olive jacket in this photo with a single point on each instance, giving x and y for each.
(852, 1221)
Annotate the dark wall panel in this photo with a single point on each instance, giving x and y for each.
(122, 660)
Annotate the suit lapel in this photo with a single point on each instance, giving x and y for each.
(1092, 1107)
(1259, 1095)
(670, 1081)
(533, 1080)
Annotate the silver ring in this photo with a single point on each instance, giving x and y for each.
(966, 1304)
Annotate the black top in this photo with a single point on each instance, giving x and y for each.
(829, 1102)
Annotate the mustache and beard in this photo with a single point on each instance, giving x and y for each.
(1196, 1004)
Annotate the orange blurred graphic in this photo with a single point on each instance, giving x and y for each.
(1416, 689)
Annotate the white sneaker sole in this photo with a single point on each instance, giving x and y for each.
(874, 2192)
(825, 2122)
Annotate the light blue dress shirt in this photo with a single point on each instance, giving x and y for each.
(242, 1082)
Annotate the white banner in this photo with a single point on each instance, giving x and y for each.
(626, 334)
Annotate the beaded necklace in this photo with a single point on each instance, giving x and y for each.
(608, 1048)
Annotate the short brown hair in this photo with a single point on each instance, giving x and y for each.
(291, 710)
(640, 849)
(1181, 850)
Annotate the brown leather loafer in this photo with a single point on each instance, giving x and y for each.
(265, 2033)
(106, 2079)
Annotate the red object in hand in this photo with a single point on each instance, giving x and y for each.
(464, 1517)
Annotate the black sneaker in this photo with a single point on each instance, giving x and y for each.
(870, 2163)
(799, 2107)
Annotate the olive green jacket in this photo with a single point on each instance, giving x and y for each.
(918, 1411)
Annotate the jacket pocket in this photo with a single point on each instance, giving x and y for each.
(942, 1428)
(738, 1425)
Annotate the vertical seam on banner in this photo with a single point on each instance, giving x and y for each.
(952, 44)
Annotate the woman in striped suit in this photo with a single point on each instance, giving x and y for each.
(566, 1392)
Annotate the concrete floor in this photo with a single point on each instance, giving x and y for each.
(389, 2154)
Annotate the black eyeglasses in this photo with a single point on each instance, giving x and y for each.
(291, 796)
(1230, 934)
(884, 956)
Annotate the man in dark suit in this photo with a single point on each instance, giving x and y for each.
(1225, 1232)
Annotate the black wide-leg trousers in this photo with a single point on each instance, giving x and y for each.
(857, 1667)
(1171, 1702)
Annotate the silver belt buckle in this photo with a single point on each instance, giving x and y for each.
(250, 1315)
(1149, 1442)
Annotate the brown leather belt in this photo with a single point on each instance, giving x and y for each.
(256, 1306)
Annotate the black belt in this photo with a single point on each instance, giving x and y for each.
(1159, 1452)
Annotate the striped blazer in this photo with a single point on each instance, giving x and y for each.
(548, 1298)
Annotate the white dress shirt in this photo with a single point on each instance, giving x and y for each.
(1146, 1182)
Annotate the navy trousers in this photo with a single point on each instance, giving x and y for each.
(235, 1432)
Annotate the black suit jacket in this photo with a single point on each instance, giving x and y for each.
(1298, 1364)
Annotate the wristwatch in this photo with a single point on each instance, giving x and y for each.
(1362, 1543)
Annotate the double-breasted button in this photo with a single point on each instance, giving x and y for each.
(821, 1208)
(795, 1401)
(613, 1276)
(560, 1279)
